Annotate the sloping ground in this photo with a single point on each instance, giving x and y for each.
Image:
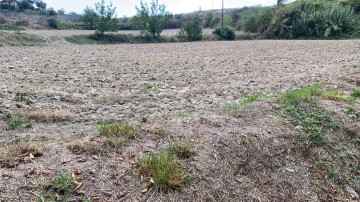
(253, 151)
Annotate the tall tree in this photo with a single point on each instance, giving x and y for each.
(89, 17)
(106, 18)
(153, 19)
(40, 5)
(26, 5)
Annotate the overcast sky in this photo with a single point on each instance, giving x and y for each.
(127, 7)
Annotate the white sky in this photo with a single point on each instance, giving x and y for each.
(127, 7)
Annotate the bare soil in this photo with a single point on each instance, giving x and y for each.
(93, 83)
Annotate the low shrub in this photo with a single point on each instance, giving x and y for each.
(193, 30)
(22, 23)
(52, 23)
(226, 33)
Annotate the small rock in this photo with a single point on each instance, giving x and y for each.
(290, 170)
(352, 192)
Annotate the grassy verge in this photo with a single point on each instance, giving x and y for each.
(141, 39)
(10, 27)
(326, 141)
(20, 39)
(232, 107)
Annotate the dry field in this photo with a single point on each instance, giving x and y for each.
(170, 92)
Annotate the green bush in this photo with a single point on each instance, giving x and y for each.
(193, 30)
(52, 23)
(257, 20)
(320, 18)
(226, 33)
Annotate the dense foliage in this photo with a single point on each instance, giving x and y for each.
(226, 33)
(105, 20)
(303, 19)
(152, 20)
(193, 30)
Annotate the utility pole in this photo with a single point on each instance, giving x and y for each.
(222, 14)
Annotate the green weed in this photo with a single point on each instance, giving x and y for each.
(180, 113)
(62, 183)
(301, 94)
(148, 86)
(355, 93)
(17, 122)
(233, 106)
(352, 112)
(58, 189)
(22, 96)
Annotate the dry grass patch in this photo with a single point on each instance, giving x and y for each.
(92, 148)
(20, 149)
(49, 116)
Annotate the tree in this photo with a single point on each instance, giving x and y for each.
(153, 19)
(193, 30)
(26, 5)
(89, 17)
(106, 18)
(61, 11)
(7, 5)
(40, 5)
(209, 16)
(228, 21)
(51, 12)
(280, 2)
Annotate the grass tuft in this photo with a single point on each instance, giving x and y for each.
(163, 168)
(355, 93)
(182, 149)
(58, 189)
(352, 112)
(148, 86)
(17, 122)
(117, 129)
(334, 95)
(180, 113)
(301, 94)
(62, 183)
(22, 96)
(162, 132)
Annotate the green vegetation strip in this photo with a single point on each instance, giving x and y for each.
(324, 132)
